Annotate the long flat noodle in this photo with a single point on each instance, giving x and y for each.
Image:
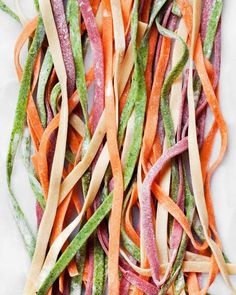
(58, 160)
(153, 103)
(78, 57)
(43, 78)
(168, 123)
(195, 166)
(143, 257)
(16, 136)
(8, 10)
(204, 267)
(63, 34)
(146, 211)
(128, 138)
(208, 33)
(128, 108)
(111, 122)
(212, 27)
(196, 257)
(119, 36)
(111, 112)
(77, 124)
(96, 44)
(135, 145)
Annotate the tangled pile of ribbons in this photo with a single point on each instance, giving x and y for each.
(110, 117)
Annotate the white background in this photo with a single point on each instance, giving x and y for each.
(14, 261)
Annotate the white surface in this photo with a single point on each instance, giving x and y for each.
(13, 258)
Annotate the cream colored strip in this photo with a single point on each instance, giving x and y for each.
(162, 216)
(119, 36)
(128, 61)
(194, 158)
(196, 257)
(205, 267)
(77, 124)
(58, 160)
(175, 105)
